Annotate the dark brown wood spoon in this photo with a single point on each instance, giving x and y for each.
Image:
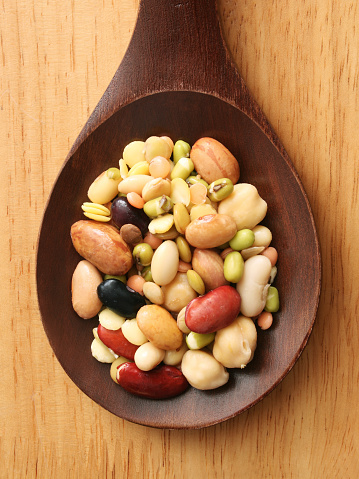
(177, 79)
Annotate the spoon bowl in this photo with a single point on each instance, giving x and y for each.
(185, 90)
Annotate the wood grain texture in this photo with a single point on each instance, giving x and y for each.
(300, 61)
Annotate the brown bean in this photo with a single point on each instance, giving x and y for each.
(212, 160)
(159, 327)
(210, 231)
(102, 245)
(209, 265)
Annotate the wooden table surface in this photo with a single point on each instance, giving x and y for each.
(300, 61)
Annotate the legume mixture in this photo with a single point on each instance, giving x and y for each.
(176, 265)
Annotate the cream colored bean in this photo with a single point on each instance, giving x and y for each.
(245, 206)
(132, 332)
(115, 365)
(123, 168)
(153, 292)
(262, 236)
(101, 352)
(253, 286)
(134, 153)
(157, 146)
(182, 326)
(85, 280)
(95, 333)
(273, 274)
(110, 320)
(105, 186)
(178, 293)
(134, 183)
(181, 217)
(148, 356)
(164, 264)
(235, 344)
(180, 192)
(201, 210)
(203, 371)
(174, 357)
(252, 251)
(140, 168)
(155, 188)
(161, 224)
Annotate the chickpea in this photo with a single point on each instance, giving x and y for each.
(203, 371)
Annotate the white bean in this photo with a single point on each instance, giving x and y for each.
(245, 206)
(134, 183)
(164, 264)
(110, 320)
(153, 292)
(253, 286)
(132, 332)
(148, 356)
(101, 352)
(174, 357)
(262, 236)
(203, 371)
(235, 344)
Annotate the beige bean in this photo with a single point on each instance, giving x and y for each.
(244, 205)
(201, 210)
(178, 293)
(153, 293)
(235, 344)
(85, 280)
(253, 286)
(262, 236)
(115, 365)
(105, 186)
(101, 352)
(203, 371)
(164, 264)
(252, 251)
(174, 357)
(134, 183)
(148, 356)
(155, 188)
(134, 153)
(133, 333)
(110, 320)
(181, 321)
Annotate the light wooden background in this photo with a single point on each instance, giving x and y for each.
(300, 60)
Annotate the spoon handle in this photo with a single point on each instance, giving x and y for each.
(176, 45)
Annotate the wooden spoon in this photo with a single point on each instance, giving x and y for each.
(177, 79)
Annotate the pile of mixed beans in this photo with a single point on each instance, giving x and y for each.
(176, 265)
